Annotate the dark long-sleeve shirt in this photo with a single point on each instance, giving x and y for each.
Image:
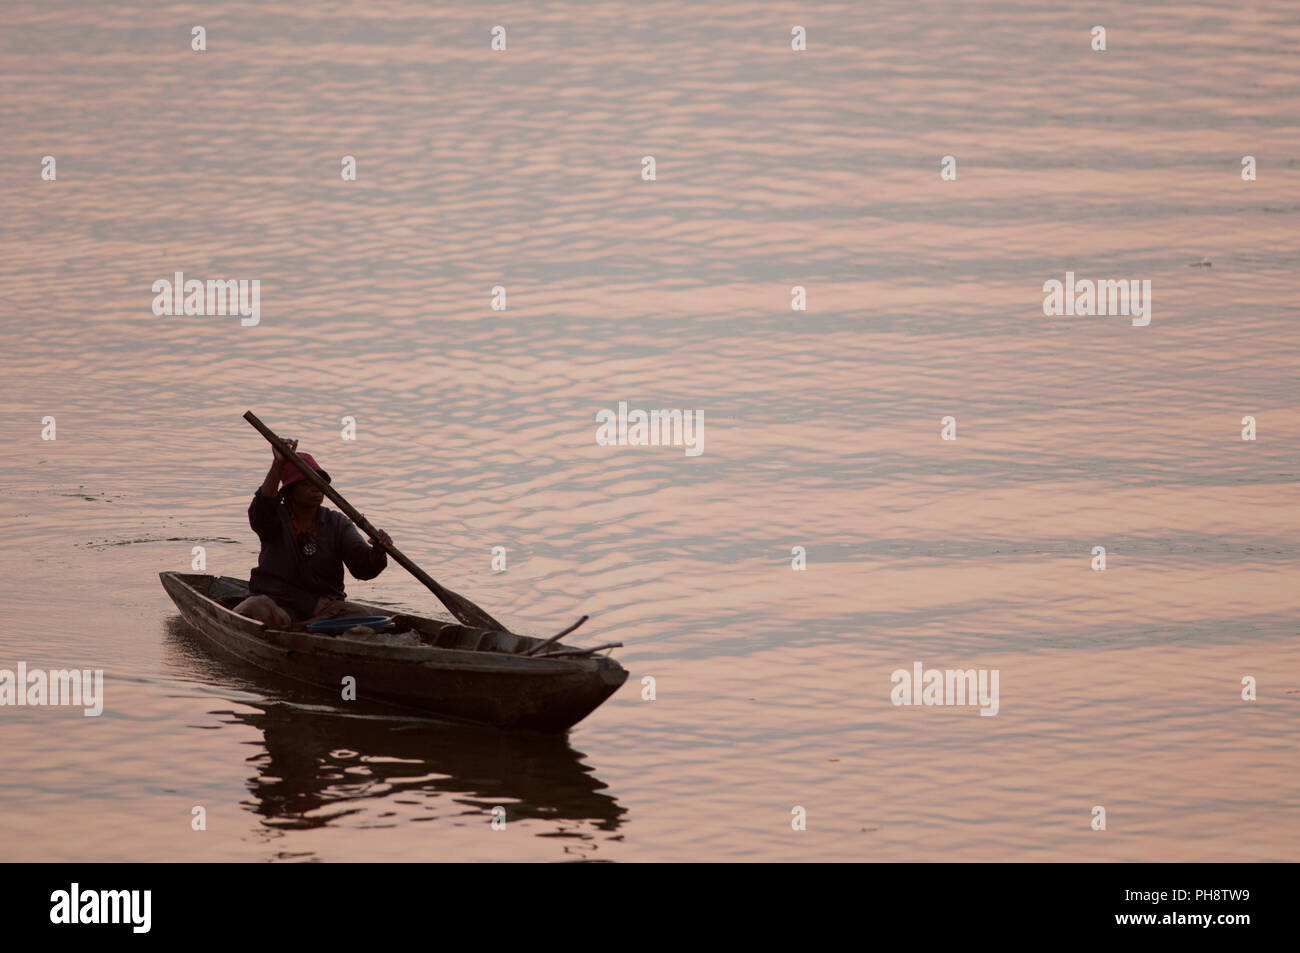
(294, 580)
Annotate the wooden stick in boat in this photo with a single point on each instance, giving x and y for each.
(555, 638)
(574, 653)
(459, 606)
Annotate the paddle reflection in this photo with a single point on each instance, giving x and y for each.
(322, 764)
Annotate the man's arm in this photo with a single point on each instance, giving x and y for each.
(363, 560)
(271, 485)
(262, 513)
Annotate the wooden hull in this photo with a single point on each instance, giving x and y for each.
(466, 675)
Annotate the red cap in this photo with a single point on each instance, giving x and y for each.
(291, 474)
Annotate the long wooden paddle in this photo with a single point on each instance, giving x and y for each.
(459, 606)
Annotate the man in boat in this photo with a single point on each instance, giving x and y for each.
(299, 574)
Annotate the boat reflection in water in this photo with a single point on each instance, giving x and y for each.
(322, 763)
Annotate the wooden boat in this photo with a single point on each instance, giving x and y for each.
(463, 674)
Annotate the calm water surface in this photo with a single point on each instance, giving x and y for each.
(476, 427)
